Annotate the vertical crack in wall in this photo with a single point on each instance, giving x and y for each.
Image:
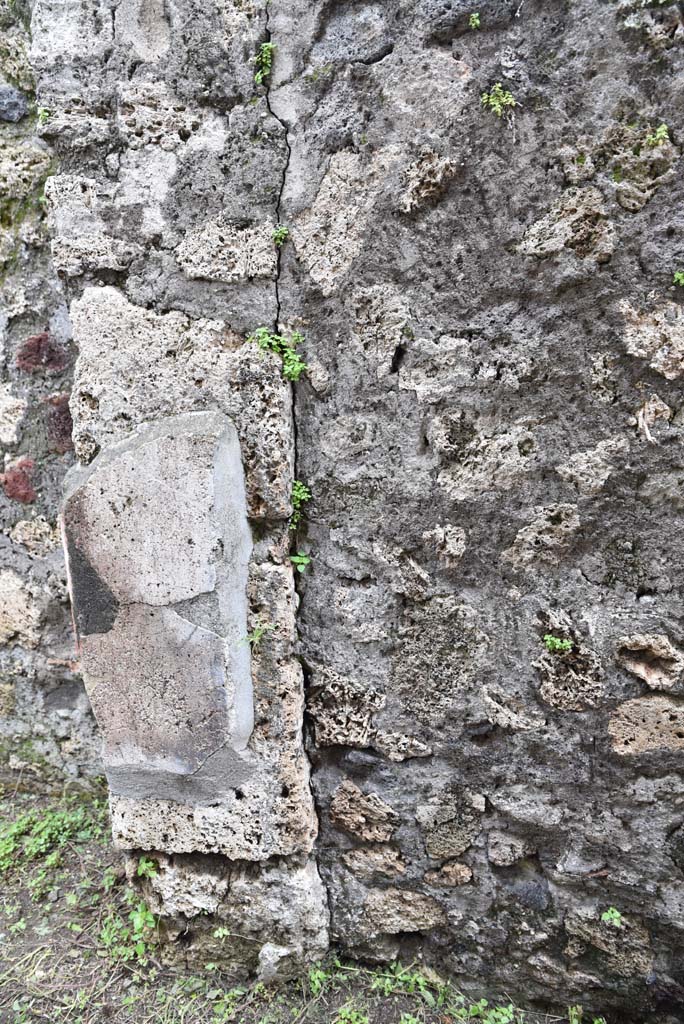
(278, 209)
(283, 179)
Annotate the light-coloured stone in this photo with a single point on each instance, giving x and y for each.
(425, 179)
(504, 849)
(547, 537)
(390, 911)
(450, 875)
(590, 470)
(328, 235)
(647, 725)
(651, 657)
(20, 614)
(451, 824)
(489, 464)
(276, 919)
(222, 252)
(135, 365)
(37, 535)
(577, 221)
(152, 524)
(450, 542)
(381, 326)
(363, 815)
(657, 336)
(12, 411)
(369, 862)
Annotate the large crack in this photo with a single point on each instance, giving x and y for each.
(283, 124)
(314, 853)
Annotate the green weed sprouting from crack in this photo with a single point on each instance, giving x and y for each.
(474, 20)
(280, 235)
(678, 278)
(258, 633)
(263, 62)
(301, 561)
(658, 137)
(555, 645)
(499, 100)
(283, 346)
(129, 939)
(613, 917)
(300, 496)
(147, 867)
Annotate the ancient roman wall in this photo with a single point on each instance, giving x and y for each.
(485, 279)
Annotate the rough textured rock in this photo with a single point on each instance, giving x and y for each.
(46, 727)
(491, 429)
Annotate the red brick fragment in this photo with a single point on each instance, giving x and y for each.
(40, 353)
(16, 481)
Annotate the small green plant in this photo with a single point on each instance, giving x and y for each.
(319, 978)
(258, 633)
(300, 561)
(35, 835)
(280, 235)
(349, 1015)
(147, 867)
(299, 498)
(498, 100)
(554, 644)
(474, 20)
(678, 278)
(263, 61)
(43, 115)
(575, 1014)
(293, 365)
(612, 916)
(128, 939)
(408, 1018)
(658, 137)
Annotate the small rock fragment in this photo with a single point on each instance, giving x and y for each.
(647, 724)
(657, 336)
(450, 875)
(652, 658)
(363, 815)
(391, 911)
(385, 861)
(504, 849)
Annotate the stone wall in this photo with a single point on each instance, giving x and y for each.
(490, 426)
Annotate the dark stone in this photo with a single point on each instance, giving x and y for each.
(13, 103)
(95, 607)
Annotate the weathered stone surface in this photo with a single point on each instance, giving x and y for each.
(450, 875)
(20, 614)
(363, 815)
(504, 849)
(376, 861)
(657, 336)
(391, 911)
(653, 659)
(450, 825)
(647, 725)
(13, 103)
(577, 221)
(153, 524)
(489, 309)
(278, 918)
